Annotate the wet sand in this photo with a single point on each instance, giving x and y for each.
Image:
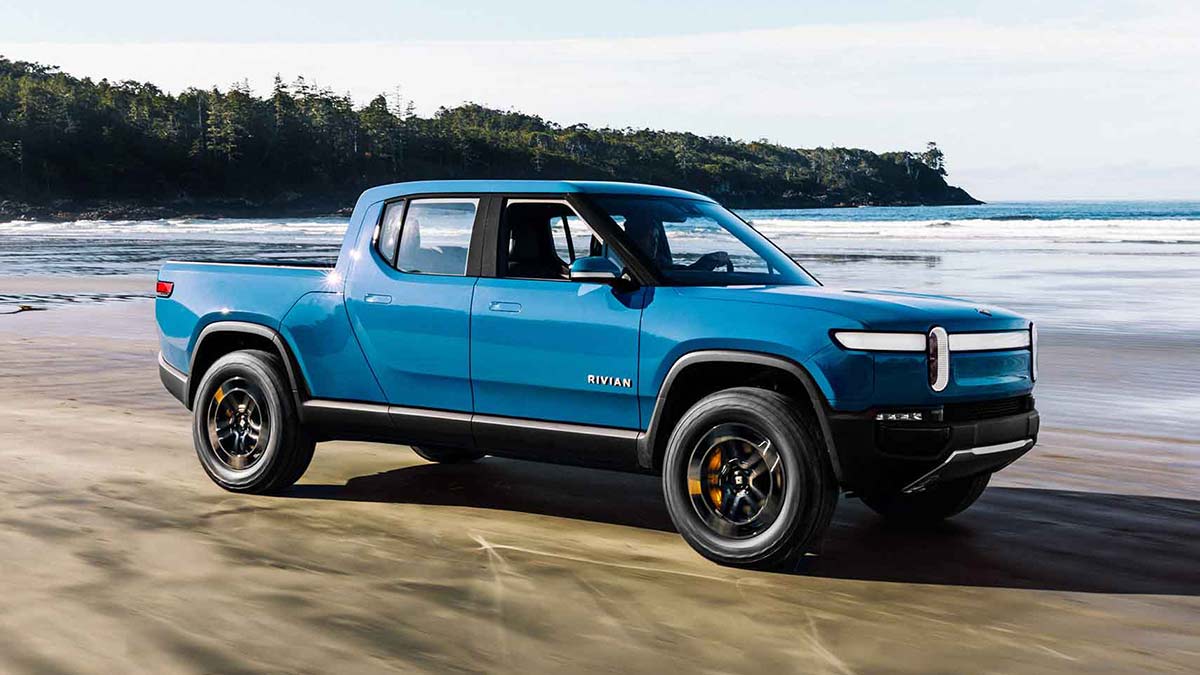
(118, 554)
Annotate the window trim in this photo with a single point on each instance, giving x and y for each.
(566, 226)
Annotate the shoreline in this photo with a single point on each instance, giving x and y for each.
(327, 206)
(67, 210)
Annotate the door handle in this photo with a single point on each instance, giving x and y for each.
(513, 307)
(377, 299)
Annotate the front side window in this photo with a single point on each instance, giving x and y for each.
(543, 238)
(435, 235)
(697, 243)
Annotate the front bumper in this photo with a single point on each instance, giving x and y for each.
(907, 456)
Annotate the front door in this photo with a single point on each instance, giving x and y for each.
(546, 348)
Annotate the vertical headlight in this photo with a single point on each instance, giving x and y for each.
(1033, 349)
(937, 351)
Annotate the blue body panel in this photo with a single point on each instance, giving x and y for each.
(677, 321)
(455, 343)
(414, 329)
(534, 343)
(419, 342)
(209, 292)
(328, 351)
(795, 322)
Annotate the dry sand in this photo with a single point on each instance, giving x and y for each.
(117, 554)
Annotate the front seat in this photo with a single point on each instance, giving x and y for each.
(648, 235)
(531, 254)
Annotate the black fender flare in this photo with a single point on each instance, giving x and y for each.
(646, 440)
(295, 382)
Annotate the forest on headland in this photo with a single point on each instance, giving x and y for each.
(72, 147)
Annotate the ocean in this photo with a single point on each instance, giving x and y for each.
(1079, 266)
(1114, 286)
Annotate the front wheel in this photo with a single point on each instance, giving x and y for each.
(245, 425)
(931, 505)
(747, 480)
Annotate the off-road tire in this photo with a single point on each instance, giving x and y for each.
(286, 449)
(808, 497)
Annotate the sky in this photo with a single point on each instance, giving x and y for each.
(1029, 100)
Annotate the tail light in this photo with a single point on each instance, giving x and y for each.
(937, 351)
(164, 288)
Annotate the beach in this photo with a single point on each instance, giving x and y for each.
(120, 555)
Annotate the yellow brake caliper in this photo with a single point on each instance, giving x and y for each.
(714, 477)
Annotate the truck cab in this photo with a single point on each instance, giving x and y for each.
(611, 325)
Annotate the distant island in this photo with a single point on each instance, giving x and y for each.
(74, 148)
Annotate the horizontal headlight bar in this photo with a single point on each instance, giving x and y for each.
(881, 342)
(915, 342)
(982, 342)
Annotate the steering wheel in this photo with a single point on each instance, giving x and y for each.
(722, 256)
(712, 262)
(709, 262)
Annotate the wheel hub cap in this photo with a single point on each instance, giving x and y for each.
(238, 424)
(736, 481)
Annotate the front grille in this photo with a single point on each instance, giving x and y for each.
(982, 410)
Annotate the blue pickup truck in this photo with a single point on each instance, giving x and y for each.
(610, 325)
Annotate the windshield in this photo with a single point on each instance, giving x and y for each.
(699, 243)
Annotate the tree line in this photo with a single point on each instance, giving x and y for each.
(63, 137)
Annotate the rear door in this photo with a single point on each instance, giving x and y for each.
(544, 347)
(410, 301)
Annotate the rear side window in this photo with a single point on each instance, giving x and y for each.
(389, 231)
(435, 235)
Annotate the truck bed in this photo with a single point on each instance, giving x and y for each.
(253, 291)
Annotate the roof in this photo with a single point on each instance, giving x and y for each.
(522, 186)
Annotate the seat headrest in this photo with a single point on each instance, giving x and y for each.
(530, 233)
(410, 239)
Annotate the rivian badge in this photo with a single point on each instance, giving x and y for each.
(610, 381)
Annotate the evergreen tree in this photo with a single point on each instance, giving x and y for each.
(933, 158)
(66, 137)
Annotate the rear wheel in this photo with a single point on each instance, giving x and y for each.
(933, 504)
(746, 479)
(444, 455)
(245, 425)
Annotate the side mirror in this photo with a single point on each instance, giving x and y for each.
(595, 269)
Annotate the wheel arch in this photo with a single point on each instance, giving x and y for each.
(224, 337)
(697, 374)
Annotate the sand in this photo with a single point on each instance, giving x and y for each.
(117, 554)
